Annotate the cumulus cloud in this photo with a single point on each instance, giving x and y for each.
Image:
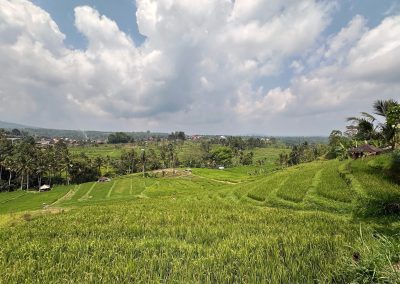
(203, 63)
(357, 66)
(259, 105)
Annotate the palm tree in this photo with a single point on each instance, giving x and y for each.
(10, 165)
(98, 161)
(365, 125)
(5, 151)
(25, 157)
(382, 108)
(143, 160)
(41, 164)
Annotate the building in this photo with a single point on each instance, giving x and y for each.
(364, 150)
(104, 179)
(45, 187)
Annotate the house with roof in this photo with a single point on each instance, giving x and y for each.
(363, 151)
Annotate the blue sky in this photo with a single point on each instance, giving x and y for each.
(123, 13)
(278, 67)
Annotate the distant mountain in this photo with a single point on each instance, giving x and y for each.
(73, 134)
(10, 125)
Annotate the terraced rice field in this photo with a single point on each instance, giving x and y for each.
(291, 226)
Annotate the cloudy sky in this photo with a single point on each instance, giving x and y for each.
(274, 67)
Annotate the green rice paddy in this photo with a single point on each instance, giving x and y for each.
(290, 226)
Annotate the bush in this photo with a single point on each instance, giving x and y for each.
(372, 206)
(395, 166)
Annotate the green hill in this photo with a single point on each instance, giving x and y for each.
(304, 224)
(10, 125)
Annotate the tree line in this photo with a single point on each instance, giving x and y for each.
(25, 164)
(380, 129)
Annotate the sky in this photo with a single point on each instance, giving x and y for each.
(235, 67)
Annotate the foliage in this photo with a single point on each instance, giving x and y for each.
(177, 135)
(395, 165)
(221, 156)
(306, 153)
(246, 159)
(393, 121)
(82, 170)
(368, 128)
(119, 138)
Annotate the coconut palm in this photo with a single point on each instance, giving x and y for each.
(365, 126)
(5, 150)
(10, 165)
(382, 108)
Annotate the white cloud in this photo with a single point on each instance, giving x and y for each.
(204, 64)
(260, 105)
(196, 54)
(357, 66)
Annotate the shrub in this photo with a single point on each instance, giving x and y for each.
(385, 204)
(395, 165)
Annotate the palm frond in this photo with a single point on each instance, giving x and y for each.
(368, 116)
(381, 107)
(353, 119)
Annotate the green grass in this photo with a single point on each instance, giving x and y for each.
(165, 240)
(269, 154)
(372, 179)
(381, 195)
(113, 151)
(289, 226)
(230, 175)
(263, 188)
(9, 196)
(333, 186)
(32, 200)
(298, 183)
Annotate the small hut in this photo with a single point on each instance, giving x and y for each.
(363, 151)
(45, 187)
(104, 179)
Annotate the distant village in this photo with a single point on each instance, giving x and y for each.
(44, 141)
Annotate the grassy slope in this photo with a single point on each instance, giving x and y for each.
(215, 226)
(114, 151)
(30, 200)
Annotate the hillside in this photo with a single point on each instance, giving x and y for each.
(73, 134)
(11, 125)
(299, 225)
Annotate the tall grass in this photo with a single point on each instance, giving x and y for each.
(166, 240)
(375, 260)
(382, 194)
(333, 186)
(296, 187)
(215, 226)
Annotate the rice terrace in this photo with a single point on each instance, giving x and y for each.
(291, 225)
(209, 141)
